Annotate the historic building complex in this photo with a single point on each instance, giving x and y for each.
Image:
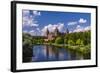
(53, 35)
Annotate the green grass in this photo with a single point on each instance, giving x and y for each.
(82, 49)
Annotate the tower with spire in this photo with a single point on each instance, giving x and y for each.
(67, 31)
(47, 32)
(56, 32)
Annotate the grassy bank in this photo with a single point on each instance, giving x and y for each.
(81, 49)
(84, 49)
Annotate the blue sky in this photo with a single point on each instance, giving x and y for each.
(36, 22)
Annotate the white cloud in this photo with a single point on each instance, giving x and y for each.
(29, 22)
(61, 26)
(78, 26)
(81, 29)
(70, 31)
(52, 27)
(29, 19)
(25, 12)
(36, 13)
(25, 31)
(81, 20)
(72, 23)
(32, 32)
(38, 29)
(87, 28)
(35, 32)
(34, 24)
(78, 29)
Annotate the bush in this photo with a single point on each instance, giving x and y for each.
(59, 40)
(70, 42)
(79, 42)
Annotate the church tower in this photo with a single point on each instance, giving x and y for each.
(67, 31)
(47, 32)
(56, 31)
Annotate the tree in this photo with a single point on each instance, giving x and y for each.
(87, 38)
(66, 39)
(70, 42)
(59, 40)
(79, 42)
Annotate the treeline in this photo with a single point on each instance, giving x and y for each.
(28, 39)
(78, 41)
(77, 38)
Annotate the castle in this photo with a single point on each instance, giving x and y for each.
(53, 35)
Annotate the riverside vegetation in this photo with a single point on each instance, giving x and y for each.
(77, 41)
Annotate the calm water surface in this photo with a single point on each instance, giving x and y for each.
(40, 53)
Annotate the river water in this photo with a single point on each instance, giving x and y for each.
(41, 53)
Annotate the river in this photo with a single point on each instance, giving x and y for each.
(44, 53)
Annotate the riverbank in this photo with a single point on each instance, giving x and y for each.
(84, 49)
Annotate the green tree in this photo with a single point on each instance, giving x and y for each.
(66, 39)
(79, 42)
(70, 42)
(59, 40)
(87, 37)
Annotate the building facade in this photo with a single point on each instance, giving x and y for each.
(52, 35)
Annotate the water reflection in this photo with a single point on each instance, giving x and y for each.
(41, 53)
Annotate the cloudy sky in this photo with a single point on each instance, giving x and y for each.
(36, 22)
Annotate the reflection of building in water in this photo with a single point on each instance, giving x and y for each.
(53, 35)
(73, 55)
(61, 56)
(53, 53)
(49, 52)
(79, 56)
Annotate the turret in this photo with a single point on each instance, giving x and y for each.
(47, 32)
(56, 32)
(67, 31)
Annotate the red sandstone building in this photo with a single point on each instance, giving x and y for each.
(53, 35)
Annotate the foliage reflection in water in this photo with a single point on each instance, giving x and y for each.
(40, 53)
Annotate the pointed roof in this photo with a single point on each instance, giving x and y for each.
(67, 31)
(56, 30)
(47, 31)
